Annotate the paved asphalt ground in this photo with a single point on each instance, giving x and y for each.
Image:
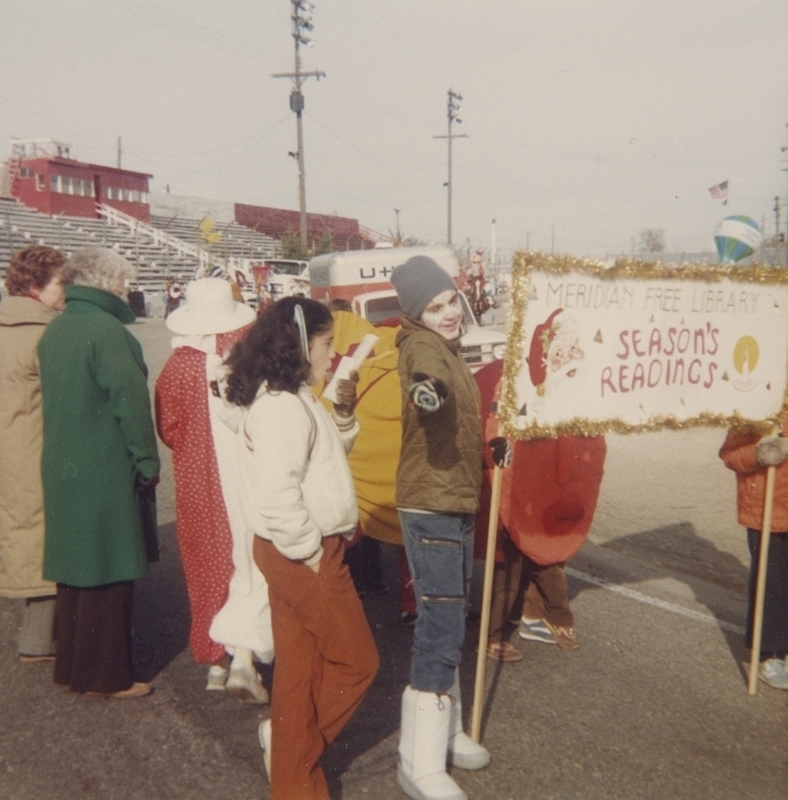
(653, 705)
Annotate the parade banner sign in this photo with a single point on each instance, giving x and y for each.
(641, 347)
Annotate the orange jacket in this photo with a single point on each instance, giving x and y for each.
(738, 454)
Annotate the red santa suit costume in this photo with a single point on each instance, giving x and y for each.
(548, 498)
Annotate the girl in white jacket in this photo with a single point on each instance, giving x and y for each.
(298, 498)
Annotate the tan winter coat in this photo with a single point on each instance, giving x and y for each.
(22, 322)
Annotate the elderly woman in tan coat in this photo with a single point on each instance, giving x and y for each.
(34, 297)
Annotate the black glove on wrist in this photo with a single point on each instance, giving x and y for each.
(501, 451)
(426, 393)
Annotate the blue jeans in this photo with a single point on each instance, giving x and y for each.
(440, 555)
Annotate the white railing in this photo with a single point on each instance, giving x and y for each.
(204, 258)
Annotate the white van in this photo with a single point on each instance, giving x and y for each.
(362, 277)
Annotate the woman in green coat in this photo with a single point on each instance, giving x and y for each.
(99, 454)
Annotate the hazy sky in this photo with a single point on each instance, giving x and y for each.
(592, 118)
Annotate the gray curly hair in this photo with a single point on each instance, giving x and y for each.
(100, 268)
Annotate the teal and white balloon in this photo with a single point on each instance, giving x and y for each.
(737, 237)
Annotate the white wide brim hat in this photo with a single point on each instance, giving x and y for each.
(209, 309)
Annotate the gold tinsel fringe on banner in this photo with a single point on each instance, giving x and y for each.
(525, 261)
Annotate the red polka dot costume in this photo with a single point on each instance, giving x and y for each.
(204, 534)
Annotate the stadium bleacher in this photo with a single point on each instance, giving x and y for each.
(165, 249)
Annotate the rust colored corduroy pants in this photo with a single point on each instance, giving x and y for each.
(325, 661)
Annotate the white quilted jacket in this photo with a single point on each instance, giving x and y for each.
(297, 486)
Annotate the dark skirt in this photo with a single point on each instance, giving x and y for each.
(93, 627)
(774, 636)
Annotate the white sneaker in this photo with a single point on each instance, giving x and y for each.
(264, 732)
(217, 678)
(774, 672)
(463, 752)
(535, 631)
(246, 686)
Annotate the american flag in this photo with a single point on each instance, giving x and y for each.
(720, 191)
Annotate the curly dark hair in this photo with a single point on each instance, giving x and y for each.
(272, 351)
(32, 268)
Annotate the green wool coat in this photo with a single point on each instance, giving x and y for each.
(98, 437)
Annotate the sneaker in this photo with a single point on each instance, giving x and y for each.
(503, 651)
(774, 672)
(264, 732)
(217, 678)
(246, 686)
(565, 636)
(535, 631)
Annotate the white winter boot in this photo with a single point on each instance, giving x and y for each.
(422, 747)
(463, 751)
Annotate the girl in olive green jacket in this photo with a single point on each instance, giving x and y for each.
(438, 482)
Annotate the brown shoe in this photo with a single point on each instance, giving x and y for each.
(35, 659)
(503, 651)
(565, 637)
(135, 690)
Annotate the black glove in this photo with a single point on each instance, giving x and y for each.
(426, 393)
(501, 451)
(147, 484)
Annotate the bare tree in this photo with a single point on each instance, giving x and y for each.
(651, 240)
(399, 239)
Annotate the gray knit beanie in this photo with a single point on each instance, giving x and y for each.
(418, 281)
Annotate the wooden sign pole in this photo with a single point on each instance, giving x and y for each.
(760, 588)
(484, 623)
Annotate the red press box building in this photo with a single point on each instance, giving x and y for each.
(42, 174)
(346, 233)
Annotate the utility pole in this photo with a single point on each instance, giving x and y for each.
(493, 251)
(120, 150)
(301, 22)
(784, 150)
(452, 107)
(396, 211)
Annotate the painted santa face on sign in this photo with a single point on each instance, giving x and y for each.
(564, 353)
(556, 357)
